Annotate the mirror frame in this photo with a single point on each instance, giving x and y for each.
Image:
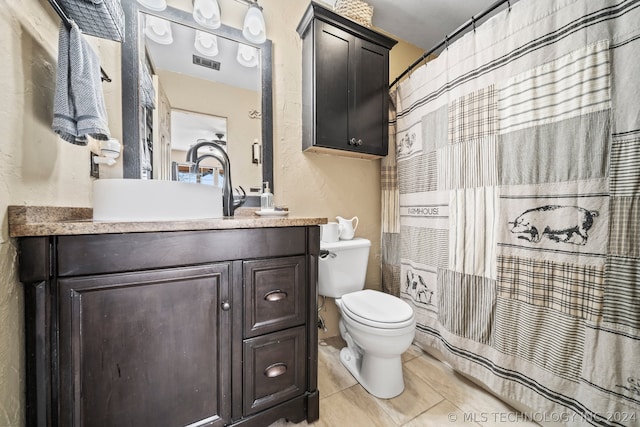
(131, 48)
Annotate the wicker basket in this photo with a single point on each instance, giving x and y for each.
(356, 10)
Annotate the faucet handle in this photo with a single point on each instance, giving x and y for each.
(237, 202)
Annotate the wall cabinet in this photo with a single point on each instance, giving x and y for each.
(193, 328)
(345, 72)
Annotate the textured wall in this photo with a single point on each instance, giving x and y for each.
(36, 167)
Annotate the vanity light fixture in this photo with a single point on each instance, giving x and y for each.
(254, 29)
(247, 55)
(158, 30)
(206, 43)
(157, 5)
(207, 13)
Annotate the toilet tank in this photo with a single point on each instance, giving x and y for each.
(344, 269)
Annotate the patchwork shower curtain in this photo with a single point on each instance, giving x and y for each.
(518, 172)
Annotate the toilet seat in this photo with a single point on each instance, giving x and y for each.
(377, 309)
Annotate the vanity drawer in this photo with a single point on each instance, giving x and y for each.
(274, 294)
(274, 369)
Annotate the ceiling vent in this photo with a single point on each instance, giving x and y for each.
(205, 62)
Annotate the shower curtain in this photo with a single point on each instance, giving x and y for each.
(518, 173)
(390, 210)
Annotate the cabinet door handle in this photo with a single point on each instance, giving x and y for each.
(275, 370)
(275, 295)
(225, 306)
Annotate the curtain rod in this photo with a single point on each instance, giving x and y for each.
(447, 38)
(67, 22)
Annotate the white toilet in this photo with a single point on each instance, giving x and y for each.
(377, 327)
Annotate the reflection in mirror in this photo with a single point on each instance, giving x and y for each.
(199, 73)
(210, 76)
(187, 127)
(211, 85)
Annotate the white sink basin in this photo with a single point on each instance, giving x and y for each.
(153, 200)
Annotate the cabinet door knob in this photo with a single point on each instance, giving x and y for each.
(275, 295)
(353, 141)
(225, 306)
(275, 370)
(359, 142)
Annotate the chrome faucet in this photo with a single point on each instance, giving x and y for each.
(229, 204)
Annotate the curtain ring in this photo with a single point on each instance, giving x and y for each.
(446, 42)
(509, 3)
(473, 21)
(425, 60)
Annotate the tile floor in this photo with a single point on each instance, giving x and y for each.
(434, 396)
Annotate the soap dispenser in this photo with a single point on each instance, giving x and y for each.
(266, 198)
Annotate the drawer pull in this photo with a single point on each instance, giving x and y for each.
(275, 295)
(275, 370)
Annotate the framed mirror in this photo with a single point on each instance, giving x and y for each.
(174, 69)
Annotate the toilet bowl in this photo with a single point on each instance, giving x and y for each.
(377, 327)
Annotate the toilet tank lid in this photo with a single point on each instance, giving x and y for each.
(357, 242)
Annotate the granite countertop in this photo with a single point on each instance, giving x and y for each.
(25, 221)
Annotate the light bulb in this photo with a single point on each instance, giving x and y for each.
(158, 30)
(247, 55)
(206, 43)
(254, 28)
(157, 5)
(207, 13)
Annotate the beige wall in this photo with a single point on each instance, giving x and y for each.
(37, 168)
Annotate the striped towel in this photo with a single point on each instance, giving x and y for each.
(78, 105)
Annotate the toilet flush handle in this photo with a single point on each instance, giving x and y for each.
(325, 253)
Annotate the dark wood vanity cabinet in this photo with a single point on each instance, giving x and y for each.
(143, 348)
(188, 328)
(345, 72)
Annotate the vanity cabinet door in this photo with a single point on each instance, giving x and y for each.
(148, 348)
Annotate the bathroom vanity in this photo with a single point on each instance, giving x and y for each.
(198, 323)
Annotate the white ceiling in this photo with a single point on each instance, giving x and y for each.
(424, 23)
